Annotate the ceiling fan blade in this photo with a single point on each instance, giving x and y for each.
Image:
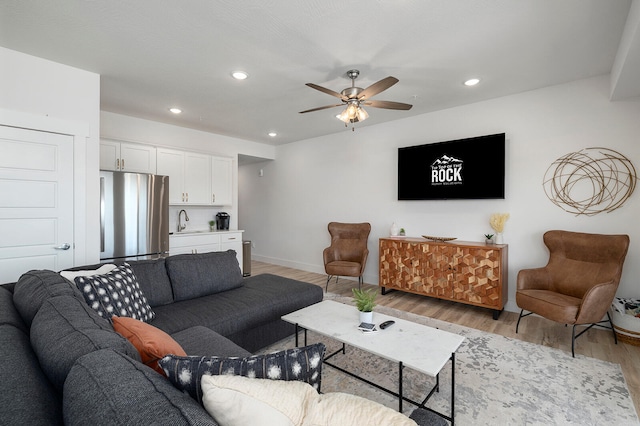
(387, 105)
(322, 107)
(327, 91)
(378, 87)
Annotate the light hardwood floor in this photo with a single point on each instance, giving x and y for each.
(596, 343)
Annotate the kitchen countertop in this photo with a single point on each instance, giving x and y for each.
(204, 231)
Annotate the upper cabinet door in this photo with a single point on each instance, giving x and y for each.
(197, 178)
(137, 158)
(109, 155)
(127, 157)
(171, 163)
(189, 176)
(221, 181)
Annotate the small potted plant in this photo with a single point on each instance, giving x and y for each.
(365, 302)
(402, 233)
(488, 238)
(212, 225)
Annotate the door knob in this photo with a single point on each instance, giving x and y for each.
(65, 246)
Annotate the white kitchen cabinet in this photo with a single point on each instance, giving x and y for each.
(194, 243)
(189, 176)
(197, 178)
(127, 157)
(171, 163)
(232, 241)
(221, 181)
(204, 242)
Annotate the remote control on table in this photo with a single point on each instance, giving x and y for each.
(386, 324)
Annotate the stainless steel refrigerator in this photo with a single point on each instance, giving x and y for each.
(134, 216)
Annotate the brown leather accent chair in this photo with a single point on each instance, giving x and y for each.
(347, 254)
(579, 282)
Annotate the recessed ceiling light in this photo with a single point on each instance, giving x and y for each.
(175, 110)
(239, 75)
(472, 82)
(273, 134)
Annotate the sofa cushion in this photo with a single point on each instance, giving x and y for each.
(64, 329)
(195, 275)
(9, 315)
(201, 340)
(116, 293)
(154, 281)
(151, 343)
(262, 299)
(26, 396)
(34, 287)
(303, 364)
(109, 388)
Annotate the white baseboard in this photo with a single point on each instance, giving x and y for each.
(290, 264)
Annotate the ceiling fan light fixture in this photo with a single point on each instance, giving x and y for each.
(352, 110)
(361, 114)
(344, 116)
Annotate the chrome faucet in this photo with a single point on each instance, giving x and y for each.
(186, 218)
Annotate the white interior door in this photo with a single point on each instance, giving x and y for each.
(36, 201)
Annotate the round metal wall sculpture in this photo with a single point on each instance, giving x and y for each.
(590, 181)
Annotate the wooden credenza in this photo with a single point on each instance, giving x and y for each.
(462, 271)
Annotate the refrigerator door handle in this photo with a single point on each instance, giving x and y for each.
(102, 207)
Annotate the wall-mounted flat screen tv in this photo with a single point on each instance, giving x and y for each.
(460, 169)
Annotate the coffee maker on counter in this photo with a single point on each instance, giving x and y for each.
(222, 221)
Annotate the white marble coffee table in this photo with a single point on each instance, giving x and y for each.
(421, 348)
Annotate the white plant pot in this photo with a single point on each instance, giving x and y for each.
(366, 317)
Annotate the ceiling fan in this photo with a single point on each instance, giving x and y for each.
(354, 98)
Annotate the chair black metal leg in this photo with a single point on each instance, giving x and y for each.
(326, 287)
(519, 318)
(615, 336)
(573, 340)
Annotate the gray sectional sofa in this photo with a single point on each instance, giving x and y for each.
(63, 363)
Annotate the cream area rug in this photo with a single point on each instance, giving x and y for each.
(499, 380)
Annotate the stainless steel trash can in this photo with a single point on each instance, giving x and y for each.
(246, 258)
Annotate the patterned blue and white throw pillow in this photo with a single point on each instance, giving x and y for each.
(303, 364)
(116, 293)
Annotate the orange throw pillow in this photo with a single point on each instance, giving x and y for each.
(151, 342)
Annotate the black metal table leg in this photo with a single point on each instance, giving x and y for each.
(453, 386)
(400, 393)
(400, 398)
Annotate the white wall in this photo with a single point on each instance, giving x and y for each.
(131, 129)
(45, 95)
(351, 176)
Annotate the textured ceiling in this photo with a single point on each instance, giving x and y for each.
(155, 54)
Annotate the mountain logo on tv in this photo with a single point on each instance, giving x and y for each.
(444, 160)
(446, 170)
